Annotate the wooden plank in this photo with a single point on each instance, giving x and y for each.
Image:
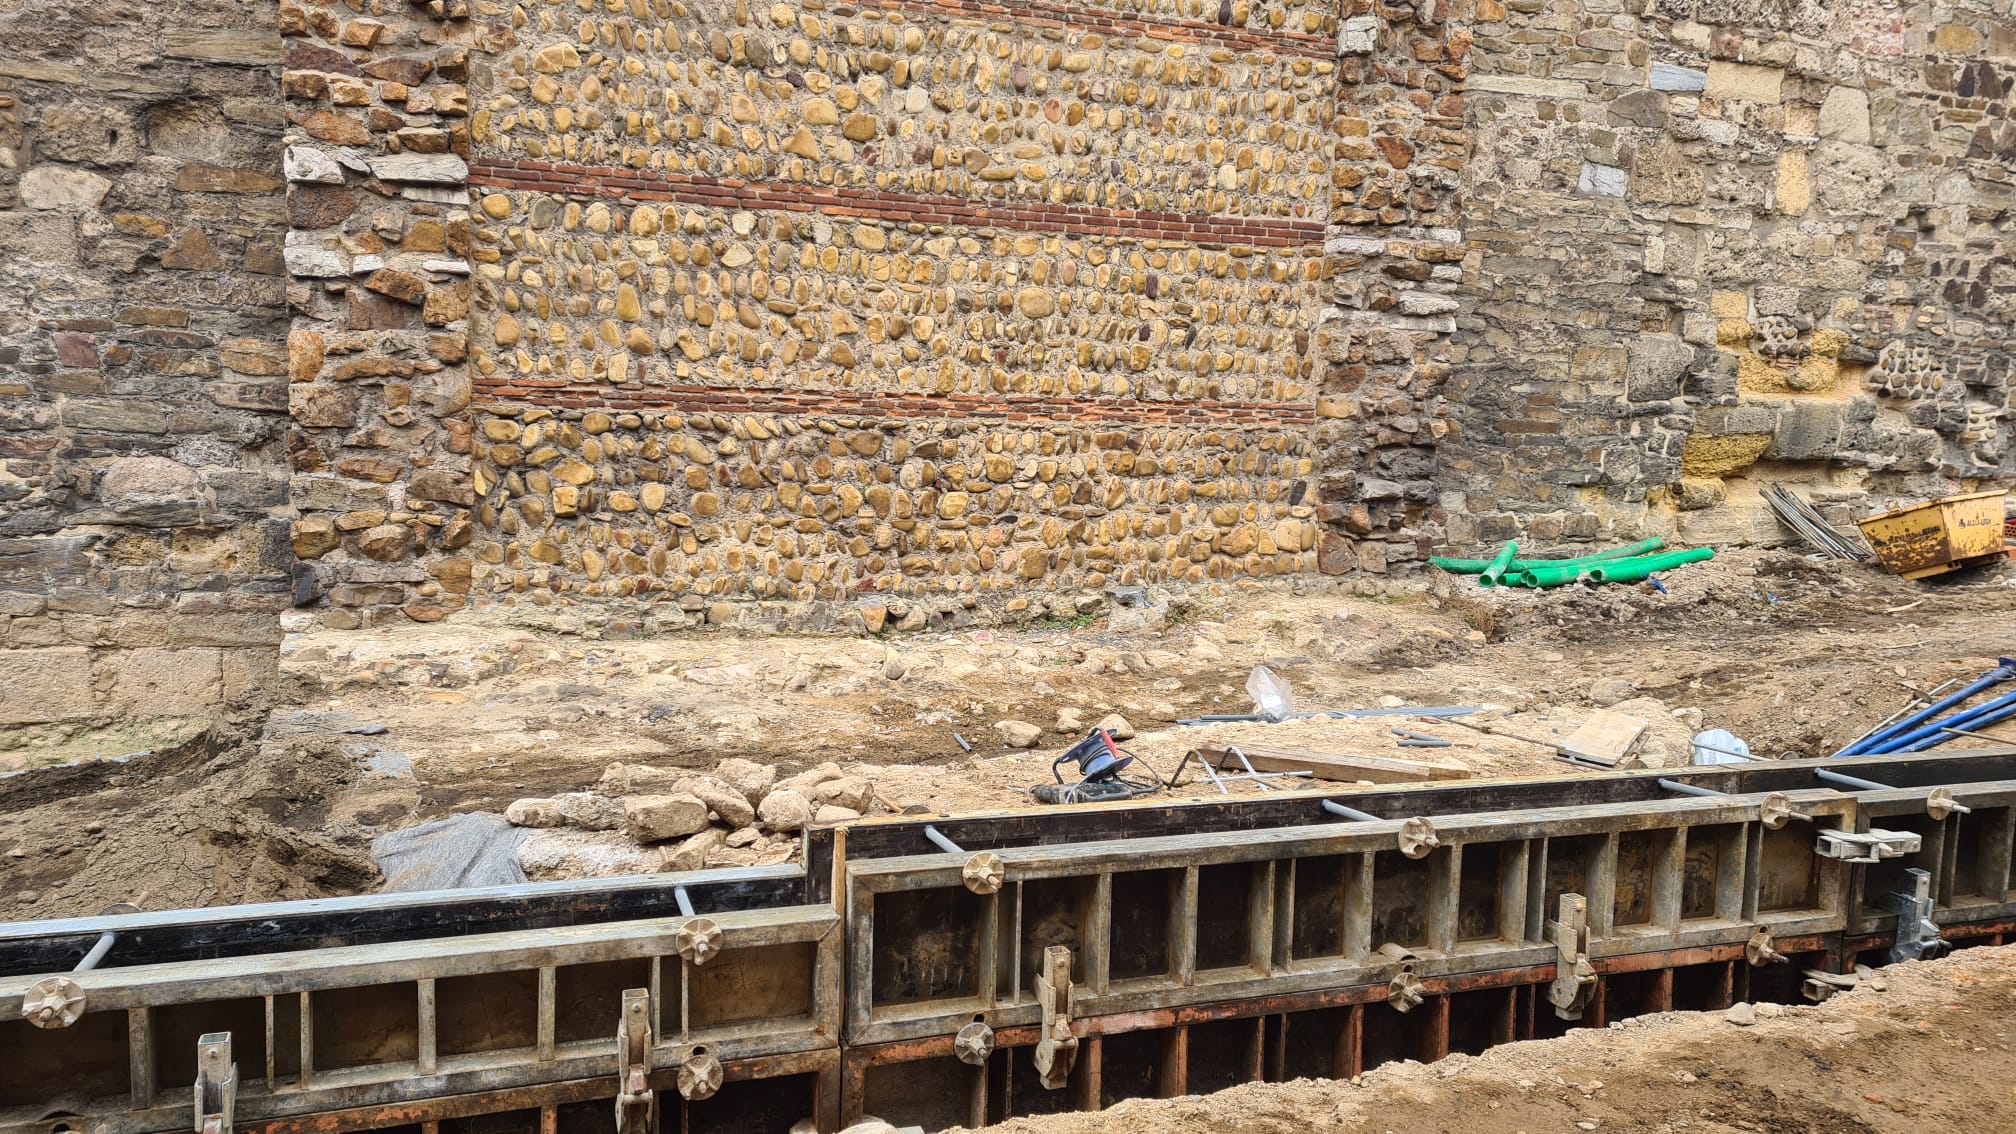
(1342, 766)
(1605, 738)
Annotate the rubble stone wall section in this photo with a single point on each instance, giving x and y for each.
(806, 303)
(377, 249)
(143, 389)
(1718, 243)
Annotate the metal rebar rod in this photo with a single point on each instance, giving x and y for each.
(939, 840)
(1343, 812)
(1855, 782)
(685, 903)
(97, 953)
(1688, 789)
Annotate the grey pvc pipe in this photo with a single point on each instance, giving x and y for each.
(1855, 782)
(1689, 789)
(1344, 812)
(939, 840)
(685, 903)
(97, 953)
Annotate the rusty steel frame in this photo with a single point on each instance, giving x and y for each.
(1630, 850)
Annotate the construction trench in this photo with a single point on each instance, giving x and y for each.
(944, 971)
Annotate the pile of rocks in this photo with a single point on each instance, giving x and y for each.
(640, 818)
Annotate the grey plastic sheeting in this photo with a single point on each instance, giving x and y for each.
(474, 849)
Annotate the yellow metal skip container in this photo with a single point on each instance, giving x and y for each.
(1943, 535)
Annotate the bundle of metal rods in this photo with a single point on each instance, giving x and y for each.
(1824, 537)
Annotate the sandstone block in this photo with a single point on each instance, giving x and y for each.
(534, 813)
(692, 852)
(1018, 734)
(753, 780)
(656, 818)
(159, 682)
(784, 811)
(730, 805)
(42, 685)
(63, 187)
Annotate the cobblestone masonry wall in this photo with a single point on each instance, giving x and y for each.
(143, 480)
(1721, 242)
(808, 302)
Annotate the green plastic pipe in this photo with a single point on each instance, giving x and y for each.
(1476, 566)
(1550, 576)
(1634, 570)
(1495, 570)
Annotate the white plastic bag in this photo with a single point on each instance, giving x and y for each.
(1720, 746)
(1272, 698)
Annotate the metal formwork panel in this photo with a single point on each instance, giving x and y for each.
(1969, 854)
(370, 1036)
(1160, 923)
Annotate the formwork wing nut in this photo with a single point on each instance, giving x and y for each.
(1776, 810)
(1405, 992)
(1939, 803)
(700, 1076)
(1418, 837)
(697, 940)
(974, 1043)
(53, 1002)
(216, 1094)
(636, 1102)
(984, 873)
(1762, 950)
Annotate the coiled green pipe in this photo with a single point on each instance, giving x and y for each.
(1495, 570)
(1477, 566)
(1634, 570)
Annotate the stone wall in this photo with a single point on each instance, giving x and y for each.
(803, 303)
(143, 480)
(1720, 243)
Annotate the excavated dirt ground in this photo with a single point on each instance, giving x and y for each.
(387, 729)
(1934, 1051)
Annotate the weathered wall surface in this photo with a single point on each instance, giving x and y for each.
(143, 483)
(1723, 242)
(805, 303)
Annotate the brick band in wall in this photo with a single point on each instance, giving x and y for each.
(505, 392)
(1106, 22)
(902, 208)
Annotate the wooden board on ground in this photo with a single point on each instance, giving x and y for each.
(1605, 738)
(1336, 765)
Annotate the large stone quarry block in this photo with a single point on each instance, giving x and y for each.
(41, 686)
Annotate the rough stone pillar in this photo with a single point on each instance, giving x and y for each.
(378, 258)
(1395, 256)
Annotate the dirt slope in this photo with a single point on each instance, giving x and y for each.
(1934, 1051)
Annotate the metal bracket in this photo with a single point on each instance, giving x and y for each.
(984, 873)
(53, 1002)
(1762, 950)
(697, 940)
(216, 1084)
(636, 1102)
(1866, 846)
(1574, 977)
(1418, 837)
(1404, 992)
(974, 1043)
(1917, 934)
(1058, 1048)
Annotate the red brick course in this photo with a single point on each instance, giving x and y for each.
(902, 208)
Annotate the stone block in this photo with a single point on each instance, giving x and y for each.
(1667, 77)
(1358, 35)
(1808, 430)
(1602, 180)
(167, 682)
(1560, 89)
(45, 685)
(428, 169)
(1657, 367)
(656, 818)
(1794, 184)
(63, 187)
(1745, 82)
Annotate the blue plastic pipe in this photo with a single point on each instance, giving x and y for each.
(1935, 734)
(1881, 737)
